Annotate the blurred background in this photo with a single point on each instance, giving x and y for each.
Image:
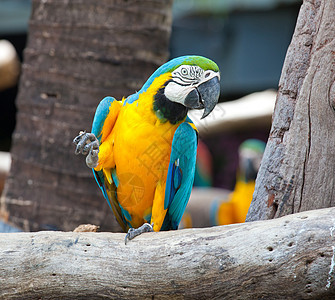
(247, 38)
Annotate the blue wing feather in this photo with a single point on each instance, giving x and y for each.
(180, 174)
(99, 178)
(169, 188)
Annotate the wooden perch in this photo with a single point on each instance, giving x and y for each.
(292, 257)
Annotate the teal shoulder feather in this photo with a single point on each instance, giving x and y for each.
(101, 115)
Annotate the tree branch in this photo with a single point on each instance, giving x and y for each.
(290, 257)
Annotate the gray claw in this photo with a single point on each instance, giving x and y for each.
(134, 232)
(92, 159)
(77, 139)
(91, 147)
(87, 144)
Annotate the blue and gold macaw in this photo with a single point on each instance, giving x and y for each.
(235, 208)
(143, 149)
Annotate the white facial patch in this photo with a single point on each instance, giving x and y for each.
(184, 79)
(176, 92)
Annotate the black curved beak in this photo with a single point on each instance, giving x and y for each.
(206, 95)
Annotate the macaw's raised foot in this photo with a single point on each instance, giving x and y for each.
(87, 144)
(134, 232)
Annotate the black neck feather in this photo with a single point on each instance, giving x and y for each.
(167, 110)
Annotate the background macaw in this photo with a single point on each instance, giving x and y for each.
(143, 149)
(236, 208)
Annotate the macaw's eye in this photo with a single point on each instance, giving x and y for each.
(184, 71)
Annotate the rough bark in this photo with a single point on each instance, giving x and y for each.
(297, 171)
(78, 52)
(286, 258)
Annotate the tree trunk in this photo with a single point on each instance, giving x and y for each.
(286, 258)
(297, 171)
(78, 52)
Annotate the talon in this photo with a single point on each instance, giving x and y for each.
(92, 159)
(77, 151)
(94, 152)
(91, 148)
(134, 232)
(87, 148)
(128, 235)
(86, 142)
(78, 137)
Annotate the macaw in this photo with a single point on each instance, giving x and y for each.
(143, 148)
(235, 209)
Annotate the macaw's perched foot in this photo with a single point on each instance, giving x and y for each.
(88, 144)
(134, 232)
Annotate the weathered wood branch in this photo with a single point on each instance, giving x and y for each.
(286, 258)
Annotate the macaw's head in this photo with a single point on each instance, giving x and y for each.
(188, 82)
